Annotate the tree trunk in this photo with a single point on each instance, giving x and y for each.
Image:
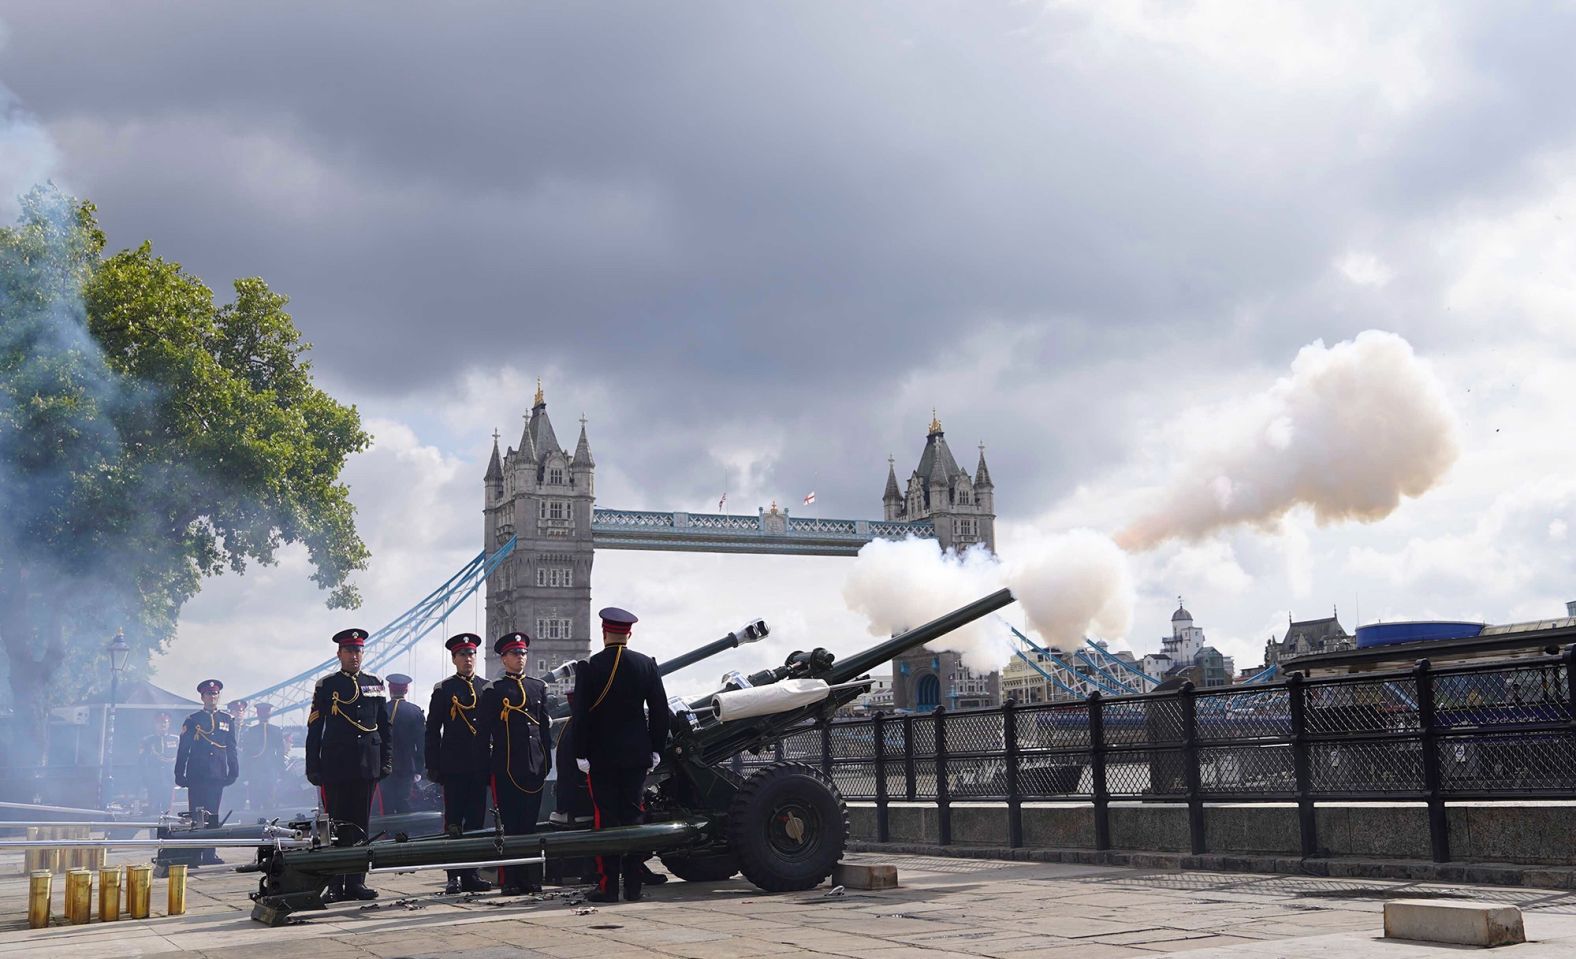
(33, 657)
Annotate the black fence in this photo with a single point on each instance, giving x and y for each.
(1498, 731)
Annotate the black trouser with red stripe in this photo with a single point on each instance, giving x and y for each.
(616, 800)
(518, 811)
(349, 804)
(464, 807)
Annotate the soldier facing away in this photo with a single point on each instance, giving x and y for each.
(206, 761)
(621, 724)
(410, 747)
(519, 734)
(348, 750)
(456, 753)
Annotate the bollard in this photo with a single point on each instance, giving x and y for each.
(40, 884)
(109, 893)
(79, 896)
(177, 903)
(139, 879)
(54, 858)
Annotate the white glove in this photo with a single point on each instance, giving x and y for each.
(656, 760)
(584, 765)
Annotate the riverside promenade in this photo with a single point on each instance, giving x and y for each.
(945, 909)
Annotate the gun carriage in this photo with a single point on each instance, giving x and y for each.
(784, 827)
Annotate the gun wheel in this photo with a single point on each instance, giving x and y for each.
(703, 866)
(788, 826)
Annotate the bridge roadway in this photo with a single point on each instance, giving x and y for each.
(945, 909)
(771, 531)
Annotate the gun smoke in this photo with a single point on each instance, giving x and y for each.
(1348, 433)
(1068, 585)
(1351, 431)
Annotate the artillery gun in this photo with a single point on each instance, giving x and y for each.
(785, 826)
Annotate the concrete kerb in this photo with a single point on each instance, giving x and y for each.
(1488, 874)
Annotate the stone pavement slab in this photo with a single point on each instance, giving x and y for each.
(945, 909)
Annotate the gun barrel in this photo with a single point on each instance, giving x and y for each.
(860, 663)
(754, 631)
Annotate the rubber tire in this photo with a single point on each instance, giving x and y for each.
(748, 826)
(702, 866)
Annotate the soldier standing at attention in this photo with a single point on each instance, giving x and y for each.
(517, 730)
(348, 751)
(237, 710)
(616, 744)
(206, 761)
(263, 748)
(410, 747)
(157, 761)
(456, 753)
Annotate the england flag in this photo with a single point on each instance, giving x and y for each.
(809, 498)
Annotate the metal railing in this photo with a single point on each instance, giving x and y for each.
(1499, 731)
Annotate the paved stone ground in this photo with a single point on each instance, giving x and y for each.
(945, 909)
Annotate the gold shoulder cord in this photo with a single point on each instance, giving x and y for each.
(508, 737)
(263, 727)
(356, 698)
(616, 658)
(206, 735)
(457, 709)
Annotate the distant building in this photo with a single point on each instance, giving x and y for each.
(1184, 655)
(962, 508)
(878, 698)
(1310, 637)
(1029, 680)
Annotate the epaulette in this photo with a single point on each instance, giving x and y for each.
(323, 679)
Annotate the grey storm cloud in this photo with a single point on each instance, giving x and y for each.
(740, 211)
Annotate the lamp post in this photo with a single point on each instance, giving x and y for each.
(118, 651)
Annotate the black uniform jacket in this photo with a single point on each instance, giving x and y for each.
(571, 797)
(516, 727)
(347, 732)
(263, 749)
(610, 727)
(454, 741)
(410, 737)
(207, 750)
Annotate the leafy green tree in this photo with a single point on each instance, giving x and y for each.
(149, 438)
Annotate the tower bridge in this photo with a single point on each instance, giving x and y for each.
(542, 498)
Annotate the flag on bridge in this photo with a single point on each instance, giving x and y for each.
(722, 502)
(809, 498)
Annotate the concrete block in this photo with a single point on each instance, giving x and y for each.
(1461, 923)
(862, 876)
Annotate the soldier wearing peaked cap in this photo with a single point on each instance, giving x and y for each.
(206, 760)
(621, 725)
(516, 728)
(410, 747)
(456, 752)
(348, 749)
(263, 755)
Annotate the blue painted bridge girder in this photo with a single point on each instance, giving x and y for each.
(771, 531)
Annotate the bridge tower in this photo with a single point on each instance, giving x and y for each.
(963, 510)
(544, 496)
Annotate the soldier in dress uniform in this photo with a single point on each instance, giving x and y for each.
(237, 710)
(263, 750)
(348, 750)
(410, 747)
(456, 753)
(206, 760)
(519, 734)
(616, 744)
(156, 759)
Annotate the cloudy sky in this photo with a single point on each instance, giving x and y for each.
(756, 245)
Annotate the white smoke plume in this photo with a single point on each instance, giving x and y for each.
(1353, 429)
(1069, 585)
